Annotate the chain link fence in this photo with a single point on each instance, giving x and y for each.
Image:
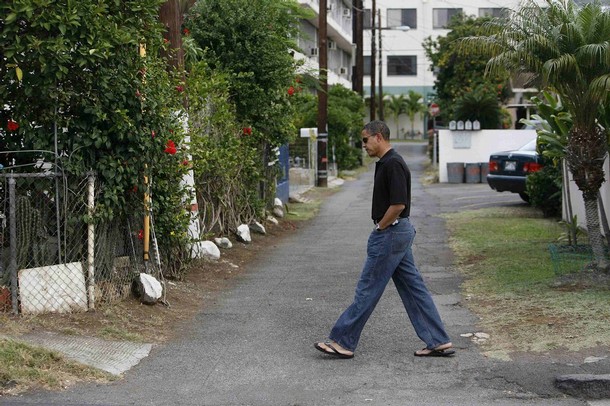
(55, 255)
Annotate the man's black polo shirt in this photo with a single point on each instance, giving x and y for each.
(392, 185)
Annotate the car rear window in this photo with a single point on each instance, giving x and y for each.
(530, 146)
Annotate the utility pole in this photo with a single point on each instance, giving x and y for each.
(373, 52)
(322, 139)
(357, 35)
(381, 113)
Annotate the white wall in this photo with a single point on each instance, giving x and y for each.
(578, 204)
(452, 146)
(404, 126)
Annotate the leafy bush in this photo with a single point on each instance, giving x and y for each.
(226, 160)
(345, 112)
(90, 72)
(250, 42)
(544, 189)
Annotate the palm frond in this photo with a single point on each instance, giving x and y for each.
(556, 69)
(600, 87)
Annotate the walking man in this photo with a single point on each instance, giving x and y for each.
(389, 255)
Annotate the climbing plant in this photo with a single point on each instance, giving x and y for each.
(89, 74)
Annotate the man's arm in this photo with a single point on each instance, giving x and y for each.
(390, 215)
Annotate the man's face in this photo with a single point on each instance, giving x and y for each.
(370, 142)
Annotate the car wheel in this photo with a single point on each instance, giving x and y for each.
(524, 197)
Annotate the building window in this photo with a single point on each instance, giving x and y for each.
(496, 12)
(398, 17)
(442, 16)
(366, 71)
(405, 65)
(366, 18)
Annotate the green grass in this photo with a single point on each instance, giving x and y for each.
(509, 284)
(313, 199)
(27, 367)
(511, 252)
(120, 334)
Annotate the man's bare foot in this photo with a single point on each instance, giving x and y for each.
(334, 349)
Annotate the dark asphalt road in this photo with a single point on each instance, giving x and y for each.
(255, 347)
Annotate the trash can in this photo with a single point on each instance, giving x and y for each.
(473, 173)
(455, 172)
(484, 171)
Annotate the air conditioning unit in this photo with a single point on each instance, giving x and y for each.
(314, 51)
(343, 70)
(347, 13)
(332, 44)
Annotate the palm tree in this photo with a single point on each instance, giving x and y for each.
(480, 104)
(396, 107)
(564, 47)
(414, 106)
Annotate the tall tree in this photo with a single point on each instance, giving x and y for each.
(414, 106)
(397, 107)
(565, 47)
(460, 71)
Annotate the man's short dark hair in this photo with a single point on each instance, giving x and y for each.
(377, 126)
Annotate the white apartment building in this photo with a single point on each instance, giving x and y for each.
(340, 43)
(401, 60)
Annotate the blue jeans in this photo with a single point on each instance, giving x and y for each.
(389, 255)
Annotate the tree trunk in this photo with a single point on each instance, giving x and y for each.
(170, 15)
(595, 236)
(585, 154)
(604, 218)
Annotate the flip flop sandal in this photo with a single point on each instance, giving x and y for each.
(331, 350)
(447, 352)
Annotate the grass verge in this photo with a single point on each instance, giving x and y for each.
(509, 284)
(310, 204)
(25, 366)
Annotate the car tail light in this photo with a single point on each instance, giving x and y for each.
(531, 167)
(493, 166)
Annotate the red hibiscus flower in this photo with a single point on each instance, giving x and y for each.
(247, 130)
(290, 90)
(170, 147)
(141, 234)
(179, 89)
(12, 125)
(186, 31)
(185, 162)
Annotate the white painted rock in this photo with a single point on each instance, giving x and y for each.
(243, 233)
(278, 212)
(147, 288)
(223, 242)
(205, 249)
(257, 227)
(272, 220)
(277, 202)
